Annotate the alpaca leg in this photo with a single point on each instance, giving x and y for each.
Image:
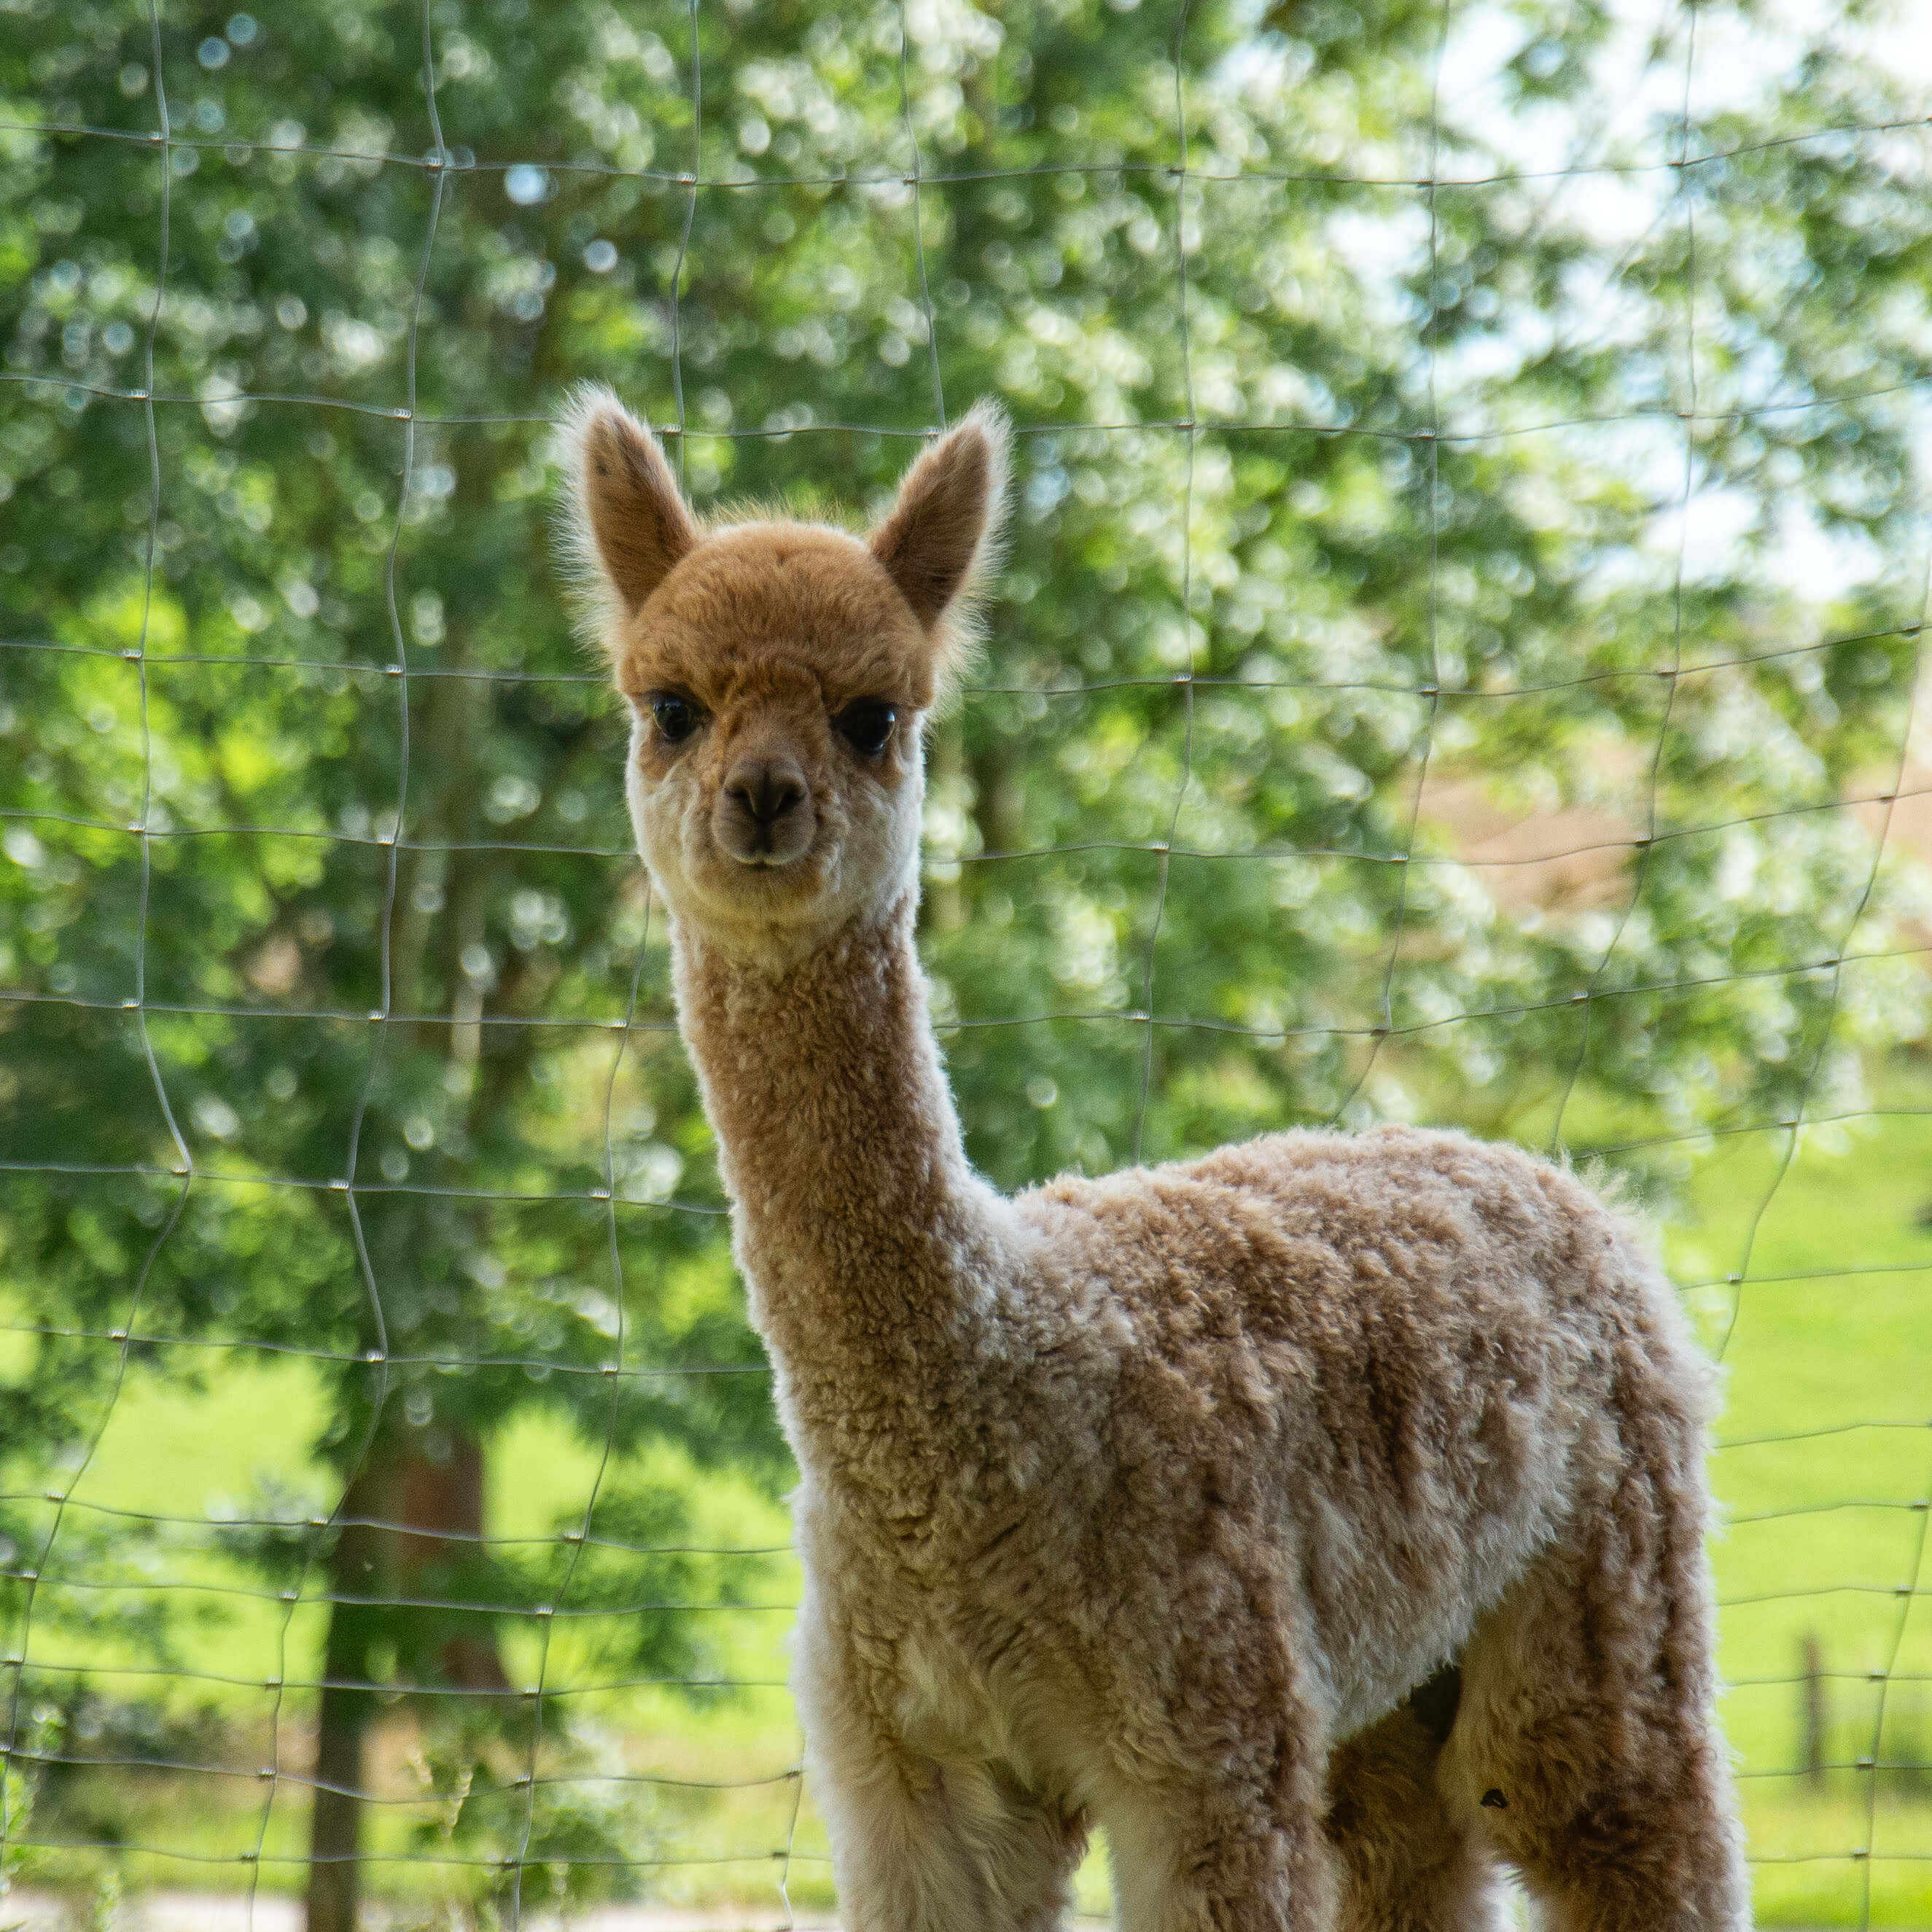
(1029, 1851)
(1231, 1838)
(901, 1858)
(1586, 1747)
(1214, 1796)
(1408, 1864)
(923, 1847)
(1184, 1864)
(917, 1845)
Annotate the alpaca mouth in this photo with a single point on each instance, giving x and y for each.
(764, 844)
(765, 848)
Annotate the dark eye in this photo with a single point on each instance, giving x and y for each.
(866, 725)
(676, 717)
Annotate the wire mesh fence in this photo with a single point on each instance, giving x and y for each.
(1457, 660)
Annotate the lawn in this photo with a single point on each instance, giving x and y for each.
(1823, 1466)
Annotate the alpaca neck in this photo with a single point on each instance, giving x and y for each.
(867, 1243)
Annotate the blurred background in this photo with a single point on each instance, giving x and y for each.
(1457, 663)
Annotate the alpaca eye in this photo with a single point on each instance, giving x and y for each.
(866, 725)
(676, 717)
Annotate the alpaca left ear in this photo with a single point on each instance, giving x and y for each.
(946, 517)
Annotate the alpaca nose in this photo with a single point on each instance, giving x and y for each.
(766, 789)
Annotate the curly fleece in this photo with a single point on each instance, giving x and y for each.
(1323, 1518)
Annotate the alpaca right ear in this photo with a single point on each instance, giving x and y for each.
(630, 523)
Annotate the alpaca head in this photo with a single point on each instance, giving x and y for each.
(779, 675)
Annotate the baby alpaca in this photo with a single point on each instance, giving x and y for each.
(1160, 1502)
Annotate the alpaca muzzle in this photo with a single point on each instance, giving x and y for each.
(763, 815)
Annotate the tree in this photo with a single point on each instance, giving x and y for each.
(1330, 481)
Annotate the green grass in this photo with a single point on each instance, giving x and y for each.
(1825, 1462)
(1825, 1466)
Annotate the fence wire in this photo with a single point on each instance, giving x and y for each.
(529, 1770)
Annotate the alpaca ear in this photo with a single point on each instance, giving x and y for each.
(947, 516)
(631, 523)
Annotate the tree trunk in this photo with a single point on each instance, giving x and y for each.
(417, 1507)
(358, 1567)
(443, 1507)
(944, 907)
(335, 1825)
(999, 799)
(416, 1504)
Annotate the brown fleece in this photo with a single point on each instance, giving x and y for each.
(1146, 1502)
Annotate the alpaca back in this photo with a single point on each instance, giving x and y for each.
(1389, 1368)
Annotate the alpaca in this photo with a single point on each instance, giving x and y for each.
(1323, 1518)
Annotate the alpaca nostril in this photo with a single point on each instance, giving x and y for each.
(766, 792)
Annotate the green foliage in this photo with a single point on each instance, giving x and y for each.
(1336, 490)
(581, 1830)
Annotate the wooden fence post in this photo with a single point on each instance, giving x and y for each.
(1812, 1743)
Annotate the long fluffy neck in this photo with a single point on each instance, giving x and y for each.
(871, 1251)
